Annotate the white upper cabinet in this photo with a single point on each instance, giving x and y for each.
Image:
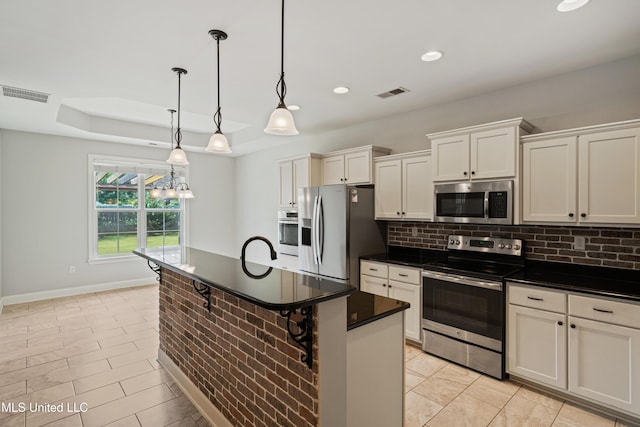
(549, 180)
(404, 186)
(297, 173)
(353, 166)
(583, 176)
(609, 168)
(479, 152)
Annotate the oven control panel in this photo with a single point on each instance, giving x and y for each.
(486, 244)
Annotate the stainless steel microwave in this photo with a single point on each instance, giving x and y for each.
(474, 202)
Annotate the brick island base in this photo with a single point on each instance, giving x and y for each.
(239, 365)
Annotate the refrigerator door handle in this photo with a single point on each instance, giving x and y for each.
(314, 228)
(320, 241)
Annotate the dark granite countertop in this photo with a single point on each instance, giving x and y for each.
(410, 257)
(277, 290)
(601, 281)
(363, 308)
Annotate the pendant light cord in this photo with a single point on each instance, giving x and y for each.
(172, 169)
(281, 86)
(217, 117)
(178, 132)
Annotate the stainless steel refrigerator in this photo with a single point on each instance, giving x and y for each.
(335, 228)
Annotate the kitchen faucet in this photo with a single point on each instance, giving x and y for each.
(274, 255)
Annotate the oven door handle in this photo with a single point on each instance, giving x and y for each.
(463, 280)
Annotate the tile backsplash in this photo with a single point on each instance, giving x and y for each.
(611, 247)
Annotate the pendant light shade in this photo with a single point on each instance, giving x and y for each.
(281, 120)
(218, 142)
(178, 156)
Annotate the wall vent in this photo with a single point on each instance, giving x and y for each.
(392, 92)
(31, 95)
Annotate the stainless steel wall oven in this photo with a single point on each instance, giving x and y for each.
(288, 232)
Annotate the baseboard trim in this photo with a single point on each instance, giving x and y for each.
(207, 409)
(79, 290)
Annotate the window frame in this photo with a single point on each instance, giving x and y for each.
(138, 166)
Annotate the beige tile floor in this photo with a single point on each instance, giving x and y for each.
(100, 349)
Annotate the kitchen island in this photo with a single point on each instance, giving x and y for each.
(255, 345)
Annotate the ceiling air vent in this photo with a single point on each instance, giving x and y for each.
(31, 95)
(392, 92)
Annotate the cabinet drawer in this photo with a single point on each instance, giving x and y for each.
(404, 274)
(604, 310)
(375, 269)
(542, 299)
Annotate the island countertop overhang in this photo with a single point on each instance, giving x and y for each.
(268, 287)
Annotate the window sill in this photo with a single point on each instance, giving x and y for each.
(114, 259)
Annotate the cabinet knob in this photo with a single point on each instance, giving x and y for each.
(560, 322)
(398, 213)
(571, 215)
(384, 285)
(389, 286)
(465, 173)
(403, 213)
(573, 326)
(583, 215)
(473, 172)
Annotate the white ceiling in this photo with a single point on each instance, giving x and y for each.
(107, 64)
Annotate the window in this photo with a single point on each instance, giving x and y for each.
(123, 215)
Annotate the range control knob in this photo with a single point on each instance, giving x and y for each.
(457, 242)
(501, 246)
(508, 246)
(516, 247)
(451, 242)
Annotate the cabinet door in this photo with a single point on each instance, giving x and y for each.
(549, 180)
(493, 153)
(286, 185)
(450, 158)
(609, 173)
(417, 188)
(374, 285)
(411, 294)
(537, 345)
(300, 177)
(333, 170)
(388, 197)
(604, 363)
(357, 167)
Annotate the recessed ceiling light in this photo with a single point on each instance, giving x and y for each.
(569, 5)
(341, 89)
(293, 107)
(432, 55)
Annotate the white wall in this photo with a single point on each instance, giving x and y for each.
(601, 94)
(45, 211)
(1, 193)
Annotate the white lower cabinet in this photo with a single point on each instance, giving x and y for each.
(401, 283)
(585, 346)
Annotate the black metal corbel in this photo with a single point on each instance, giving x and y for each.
(205, 292)
(156, 269)
(304, 338)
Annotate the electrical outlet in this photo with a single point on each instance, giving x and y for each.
(579, 242)
(414, 231)
(72, 269)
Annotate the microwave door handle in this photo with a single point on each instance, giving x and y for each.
(320, 230)
(486, 204)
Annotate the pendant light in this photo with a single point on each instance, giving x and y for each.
(281, 120)
(178, 156)
(173, 188)
(218, 142)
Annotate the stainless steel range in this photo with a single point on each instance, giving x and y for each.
(463, 301)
